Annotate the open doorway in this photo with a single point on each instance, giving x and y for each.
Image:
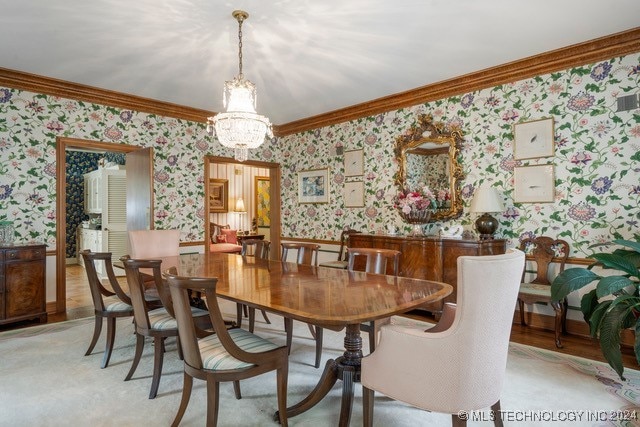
(65, 145)
(245, 180)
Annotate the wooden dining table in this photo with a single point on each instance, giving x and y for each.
(331, 298)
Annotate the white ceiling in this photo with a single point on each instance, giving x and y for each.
(306, 57)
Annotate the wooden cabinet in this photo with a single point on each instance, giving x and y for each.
(430, 258)
(22, 283)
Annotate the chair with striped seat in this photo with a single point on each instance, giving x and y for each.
(228, 355)
(158, 323)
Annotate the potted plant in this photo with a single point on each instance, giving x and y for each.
(614, 304)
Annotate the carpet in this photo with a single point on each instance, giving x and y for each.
(46, 381)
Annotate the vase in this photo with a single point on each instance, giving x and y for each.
(417, 218)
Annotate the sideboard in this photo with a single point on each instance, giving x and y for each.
(22, 283)
(428, 257)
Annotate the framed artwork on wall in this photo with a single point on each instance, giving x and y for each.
(354, 194)
(353, 163)
(218, 195)
(533, 139)
(262, 201)
(533, 184)
(313, 186)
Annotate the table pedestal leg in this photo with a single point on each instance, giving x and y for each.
(346, 368)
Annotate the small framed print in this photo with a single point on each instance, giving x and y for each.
(533, 139)
(533, 184)
(313, 186)
(354, 163)
(354, 194)
(218, 191)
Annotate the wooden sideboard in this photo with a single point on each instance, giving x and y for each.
(428, 257)
(22, 283)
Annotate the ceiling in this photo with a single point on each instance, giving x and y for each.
(305, 57)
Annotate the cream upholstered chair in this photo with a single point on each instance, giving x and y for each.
(145, 244)
(463, 367)
(376, 262)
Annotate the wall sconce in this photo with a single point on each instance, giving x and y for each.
(485, 200)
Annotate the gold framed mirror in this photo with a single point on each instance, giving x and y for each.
(428, 154)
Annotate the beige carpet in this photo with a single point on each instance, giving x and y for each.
(46, 381)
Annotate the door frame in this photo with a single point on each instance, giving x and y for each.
(62, 144)
(274, 197)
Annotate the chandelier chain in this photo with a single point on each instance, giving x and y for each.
(240, 21)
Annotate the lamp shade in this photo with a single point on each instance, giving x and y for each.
(486, 199)
(240, 205)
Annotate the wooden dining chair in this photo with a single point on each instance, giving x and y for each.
(260, 251)
(107, 304)
(376, 262)
(341, 262)
(158, 323)
(545, 251)
(305, 253)
(228, 355)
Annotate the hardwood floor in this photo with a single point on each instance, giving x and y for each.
(79, 305)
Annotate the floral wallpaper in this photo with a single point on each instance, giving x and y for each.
(597, 158)
(596, 161)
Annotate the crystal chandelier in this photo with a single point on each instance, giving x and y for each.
(240, 127)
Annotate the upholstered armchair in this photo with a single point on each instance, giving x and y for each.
(461, 368)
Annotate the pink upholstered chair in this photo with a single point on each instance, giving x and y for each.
(461, 368)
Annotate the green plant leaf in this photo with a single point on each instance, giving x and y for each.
(596, 317)
(588, 304)
(610, 337)
(628, 243)
(636, 346)
(570, 280)
(611, 284)
(617, 262)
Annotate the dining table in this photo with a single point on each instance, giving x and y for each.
(328, 297)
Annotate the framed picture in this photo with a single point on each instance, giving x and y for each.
(218, 191)
(354, 194)
(262, 201)
(533, 184)
(353, 163)
(533, 139)
(313, 186)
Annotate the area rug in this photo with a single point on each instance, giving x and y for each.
(46, 381)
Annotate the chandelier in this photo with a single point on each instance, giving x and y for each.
(240, 127)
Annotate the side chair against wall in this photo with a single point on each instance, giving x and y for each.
(376, 262)
(544, 251)
(466, 362)
(228, 355)
(261, 249)
(158, 323)
(341, 262)
(306, 253)
(117, 302)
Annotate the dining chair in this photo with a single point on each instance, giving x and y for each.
(228, 355)
(465, 363)
(158, 323)
(341, 262)
(260, 251)
(545, 251)
(376, 262)
(107, 304)
(307, 254)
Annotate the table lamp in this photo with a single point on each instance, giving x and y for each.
(240, 210)
(485, 200)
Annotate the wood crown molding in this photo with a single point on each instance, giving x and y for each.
(618, 44)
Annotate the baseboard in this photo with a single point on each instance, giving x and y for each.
(574, 327)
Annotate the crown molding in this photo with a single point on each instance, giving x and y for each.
(618, 44)
(64, 89)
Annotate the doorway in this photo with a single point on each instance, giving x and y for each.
(64, 145)
(274, 197)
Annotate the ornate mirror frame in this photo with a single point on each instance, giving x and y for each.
(426, 130)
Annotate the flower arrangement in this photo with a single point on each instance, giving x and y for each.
(420, 203)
